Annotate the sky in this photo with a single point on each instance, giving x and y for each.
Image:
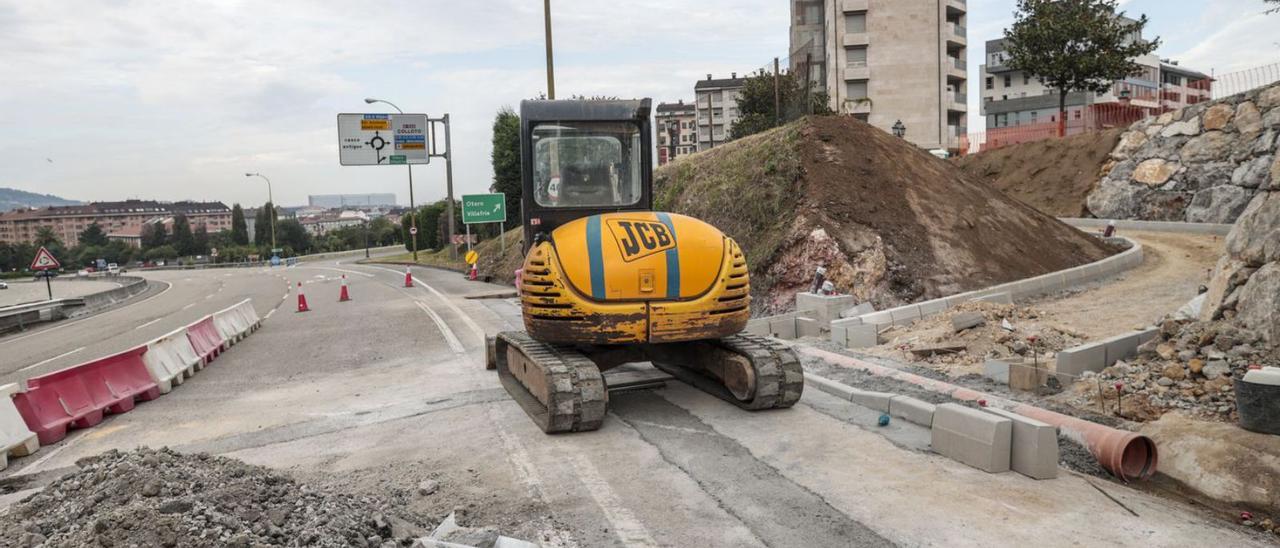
(115, 99)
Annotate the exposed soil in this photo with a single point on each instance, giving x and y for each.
(1052, 175)
(891, 223)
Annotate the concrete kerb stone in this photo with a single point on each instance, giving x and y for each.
(878, 401)
(978, 439)
(783, 327)
(861, 335)
(1003, 297)
(1072, 362)
(1034, 446)
(839, 390)
(16, 439)
(1150, 226)
(823, 308)
(996, 370)
(912, 410)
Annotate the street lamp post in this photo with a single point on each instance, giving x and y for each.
(413, 213)
(272, 213)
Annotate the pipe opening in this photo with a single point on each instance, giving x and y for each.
(1138, 460)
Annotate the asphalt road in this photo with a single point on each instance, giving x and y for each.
(26, 291)
(389, 389)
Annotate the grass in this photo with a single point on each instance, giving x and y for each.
(438, 258)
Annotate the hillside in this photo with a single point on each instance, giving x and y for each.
(12, 198)
(1052, 175)
(891, 223)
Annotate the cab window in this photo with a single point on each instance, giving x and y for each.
(586, 164)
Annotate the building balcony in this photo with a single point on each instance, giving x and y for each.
(959, 102)
(856, 106)
(853, 6)
(957, 69)
(856, 39)
(957, 7)
(857, 70)
(957, 35)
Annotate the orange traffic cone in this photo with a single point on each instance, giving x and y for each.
(408, 277)
(302, 300)
(343, 296)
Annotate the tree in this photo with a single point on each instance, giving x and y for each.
(506, 158)
(1075, 45)
(239, 228)
(183, 240)
(201, 240)
(46, 237)
(291, 234)
(161, 253)
(153, 235)
(262, 224)
(93, 235)
(758, 108)
(1272, 10)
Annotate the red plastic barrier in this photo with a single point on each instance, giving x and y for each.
(79, 396)
(205, 339)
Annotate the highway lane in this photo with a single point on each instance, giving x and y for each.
(388, 390)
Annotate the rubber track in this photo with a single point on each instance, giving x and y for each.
(779, 375)
(578, 398)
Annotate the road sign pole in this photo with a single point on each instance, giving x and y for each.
(48, 285)
(468, 237)
(448, 177)
(413, 215)
(502, 237)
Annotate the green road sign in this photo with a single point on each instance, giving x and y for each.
(398, 159)
(484, 208)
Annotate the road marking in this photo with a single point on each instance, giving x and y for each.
(207, 297)
(269, 313)
(167, 287)
(188, 306)
(449, 337)
(63, 355)
(356, 272)
(475, 328)
(629, 529)
(148, 323)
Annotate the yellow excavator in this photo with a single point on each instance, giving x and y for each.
(607, 281)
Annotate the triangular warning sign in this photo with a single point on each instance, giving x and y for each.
(44, 260)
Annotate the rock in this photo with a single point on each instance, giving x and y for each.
(1189, 127)
(1220, 287)
(1259, 306)
(1219, 204)
(175, 507)
(1275, 173)
(1255, 239)
(151, 488)
(1164, 206)
(1212, 145)
(1130, 142)
(1269, 98)
(1224, 342)
(1116, 199)
(1155, 172)
(1248, 118)
(1255, 173)
(1217, 116)
(1203, 176)
(1164, 381)
(1165, 351)
(1173, 372)
(1216, 369)
(428, 487)
(1168, 329)
(1196, 366)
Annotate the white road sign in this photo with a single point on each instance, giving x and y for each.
(382, 139)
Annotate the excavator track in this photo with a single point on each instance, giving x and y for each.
(778, 375)
(556, 385)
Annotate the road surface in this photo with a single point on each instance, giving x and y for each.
(389, 389)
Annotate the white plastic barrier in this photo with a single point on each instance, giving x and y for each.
(248, 315)
(229, 325)
(171, 359)
(17, 439)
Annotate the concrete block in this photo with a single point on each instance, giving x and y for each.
(1125, 346)
(930, 308)
(1074, 361)
(966, 320)
(1001, 298)
(997, 370)
(808, 327)
(1034, 449)
(839, 390)
(978, 439)
(758, 326)
(862, 336)
(860, 309)
(823, 308)
(783, 328)
(912, 410)
(1027, 374)
(840, 335)
(872, 400)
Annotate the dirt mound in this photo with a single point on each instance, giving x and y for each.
(891, 223)
(164, 498)
(1052, 175)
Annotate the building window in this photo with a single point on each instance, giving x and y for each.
(1008, 80)
(991, 82)
(855, 23)
(856, 57)
(1034, 114)
(856, 90)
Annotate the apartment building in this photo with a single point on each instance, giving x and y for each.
(123, 218)
(716, 106)
(676, 126)
(1012, 98)
(888, 61)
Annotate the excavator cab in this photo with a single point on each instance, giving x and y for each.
(583, 158)
(608, 281)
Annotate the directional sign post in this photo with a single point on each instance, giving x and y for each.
(382, 139)
(44, 262)
(485, 208)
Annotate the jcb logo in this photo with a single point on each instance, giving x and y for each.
(639, 239)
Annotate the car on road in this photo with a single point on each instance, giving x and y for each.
(113, 268)
(82, 274)
(4, 285)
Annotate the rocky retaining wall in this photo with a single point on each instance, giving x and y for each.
(1202, 164)
(1246, 281)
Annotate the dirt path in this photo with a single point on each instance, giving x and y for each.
(1173, 268)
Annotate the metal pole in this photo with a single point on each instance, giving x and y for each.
(272, 200)
(551, 70)
(366, 239)
(468, 238)
(777, 94)
(413, 216)
(448, 175)
(48, 285)
(502, 237)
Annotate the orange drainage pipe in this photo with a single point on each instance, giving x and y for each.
(1129, 456)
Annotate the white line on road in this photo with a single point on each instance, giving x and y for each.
(148, 323)
(475, 328)
(629, 529)
(63, 355)
(207, 297)
(188, 306)
(269, 313)
(452, 339)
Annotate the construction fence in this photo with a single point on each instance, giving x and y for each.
(1137, 103)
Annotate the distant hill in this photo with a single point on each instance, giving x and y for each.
(12, 198)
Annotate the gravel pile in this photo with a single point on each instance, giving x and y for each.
(161, 497)
(1190, 366)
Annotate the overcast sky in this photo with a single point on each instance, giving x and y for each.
(115, 99)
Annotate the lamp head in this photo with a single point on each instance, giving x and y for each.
(370, 100)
